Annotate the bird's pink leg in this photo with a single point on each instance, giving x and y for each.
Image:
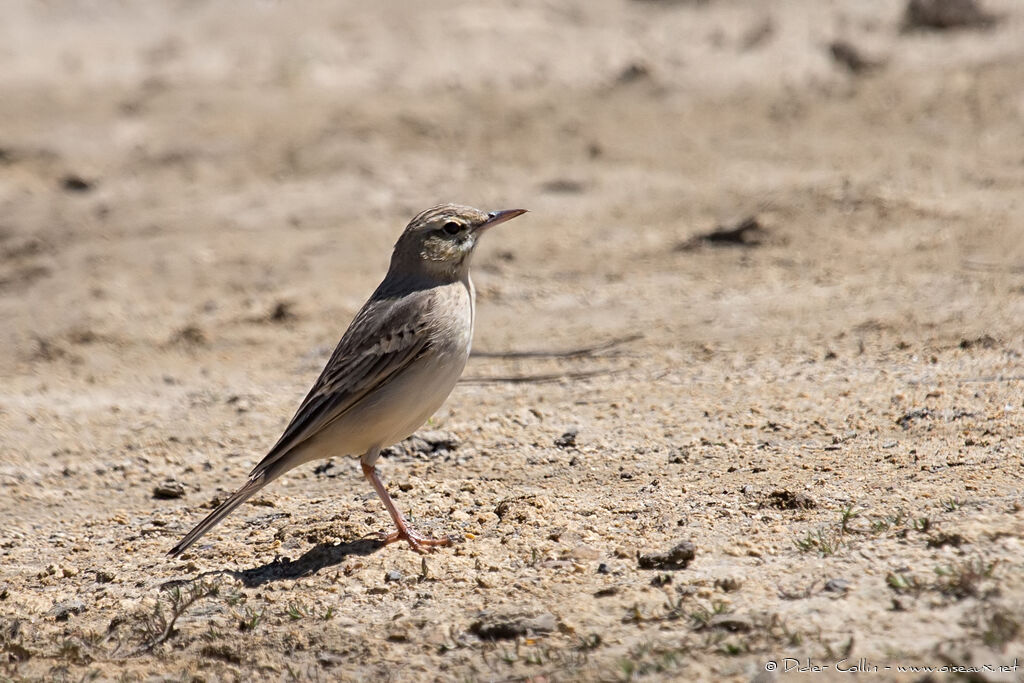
(419, 543)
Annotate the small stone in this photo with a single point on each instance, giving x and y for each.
(398, 634)
(661, 580)
(508, 625)
(837, 586)
(946, 14)
(787, 500)
(190, 335)
(584, 552)
(731, 623)
(603, 569)
(678, 456)
(393, 576)
(729, 584)
(425, 444)
(568, 439)
(329, 659)
(62, 610)
(169, 490)
(282, 312)
(678, 557)
(72, 182)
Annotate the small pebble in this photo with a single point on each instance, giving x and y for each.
(678, 557)
(837, 586)
(568, 439)
(62, 610)
(169, 490)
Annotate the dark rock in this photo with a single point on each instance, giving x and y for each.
(508, 625)
(568, 439)
(330, 659)
(425, 444)
(223, 652)
(661, 580)
(787, 500)
(942, 15)
(984, 342)
(746, 233)
(837, 586)
(190, 335)
(169, 490)
(322, 468)
(72, 182)
(282, 312)
(940, 540)
(62, 610)
(850, 56)
(729, 584)
(678, 557)
(908, 418)
(678, 456)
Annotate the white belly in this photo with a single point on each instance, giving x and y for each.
(400, 407)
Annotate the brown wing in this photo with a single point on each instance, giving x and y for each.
(385, 337)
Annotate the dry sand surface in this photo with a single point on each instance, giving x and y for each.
(196, 196)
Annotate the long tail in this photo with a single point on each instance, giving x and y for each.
(223, 510)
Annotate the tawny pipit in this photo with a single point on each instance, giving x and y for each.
(394, 366)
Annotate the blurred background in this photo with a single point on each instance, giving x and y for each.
(796, 221)
(146, 146)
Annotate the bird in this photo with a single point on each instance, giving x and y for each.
(394, 367)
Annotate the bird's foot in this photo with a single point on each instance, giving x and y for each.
(419, 543)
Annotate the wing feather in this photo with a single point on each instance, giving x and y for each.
(384, 338)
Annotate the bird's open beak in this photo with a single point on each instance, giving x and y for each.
(496, 217)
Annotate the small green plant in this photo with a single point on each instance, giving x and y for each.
(646, 659)
(250, 619)
(951, 505)
(903, 583)
(880, 525)
(234, 598)
(702, 616)
(967, 579)
(296, 611)
(848, 515)
(825, 542)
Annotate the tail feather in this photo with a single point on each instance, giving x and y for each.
(223, 510)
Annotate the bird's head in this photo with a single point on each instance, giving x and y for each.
(440, 241)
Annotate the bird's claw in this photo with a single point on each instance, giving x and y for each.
(419, 543)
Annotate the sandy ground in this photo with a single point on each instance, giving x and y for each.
(196, 196)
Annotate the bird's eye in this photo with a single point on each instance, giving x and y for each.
(452, 228)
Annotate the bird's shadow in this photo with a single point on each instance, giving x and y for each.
(318, 557)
